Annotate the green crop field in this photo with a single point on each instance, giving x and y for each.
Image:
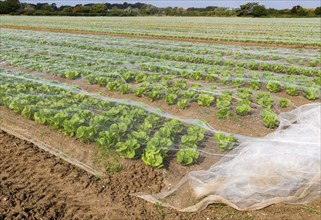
(168, 92)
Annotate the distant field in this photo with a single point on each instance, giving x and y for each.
(288, 31)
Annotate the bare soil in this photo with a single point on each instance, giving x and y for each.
(270, 45)
(37, 185)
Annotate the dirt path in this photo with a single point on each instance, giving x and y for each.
(256, 44)
(37, 185)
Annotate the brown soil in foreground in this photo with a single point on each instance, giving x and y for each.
(37, 185)
(270, 45)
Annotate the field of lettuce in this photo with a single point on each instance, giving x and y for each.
(169, 92)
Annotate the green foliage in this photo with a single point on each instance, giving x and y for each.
(153, 158)
(86, 133)
(292, 91)
(141, 136)
(156, 150)
(128, 149)
(284, 102)
(270, 120)
(223, 113)
(273, 87)
(171, 98)
(265, 100)
(190, 94)
(124, 89)
(182, 84)
(187, 156)
(140, 77)
(43, 116)
(70, 126)
(58, 119)
(225, 142)
(155, 94)
(107, 140)
(243, 109)
(205, 100)
(312, 93)
(72, 74)
(183, 103)
(28, 111)
(113, 85)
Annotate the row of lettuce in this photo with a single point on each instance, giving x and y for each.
(180, 83)
(194, 55)
(131, 131)
(282, 56)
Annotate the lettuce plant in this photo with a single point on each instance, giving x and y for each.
(187, 156)
(243, 109)
(86, 133)
(270, 120)
(223, 113)
(273, 87)
(292, 91)
(155, 94)
(183, 103)
(171, 98)
(128, 149)
(312, 93)
(225, 142)
(124, 88)
(205, 100)
(284, 102)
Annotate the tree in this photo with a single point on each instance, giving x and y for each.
(98, 8)
(252, 9)
(298, 10)
(259, 11)
(317, 11)
(9, 6)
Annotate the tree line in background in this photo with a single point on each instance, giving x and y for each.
(252, 9)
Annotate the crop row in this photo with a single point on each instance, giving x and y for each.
(240, 53)
(48, 60)
(131, 131)
(211, 59)
(168, 88)
(103, 61)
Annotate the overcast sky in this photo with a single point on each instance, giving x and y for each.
(279, 4)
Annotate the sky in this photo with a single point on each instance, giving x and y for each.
(278, 4)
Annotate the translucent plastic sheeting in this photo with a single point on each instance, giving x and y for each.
(283, 166)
